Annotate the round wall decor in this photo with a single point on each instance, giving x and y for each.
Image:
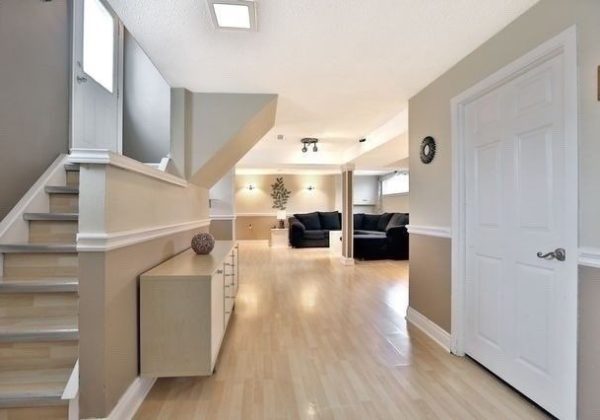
(427, 149)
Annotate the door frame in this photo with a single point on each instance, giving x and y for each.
(565, 45)
(74, 33)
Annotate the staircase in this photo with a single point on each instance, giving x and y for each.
(38, 309)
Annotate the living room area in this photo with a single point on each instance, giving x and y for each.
(297, 201)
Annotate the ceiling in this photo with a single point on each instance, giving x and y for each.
(341, 68)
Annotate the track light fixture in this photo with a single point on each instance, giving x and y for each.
(307, 141)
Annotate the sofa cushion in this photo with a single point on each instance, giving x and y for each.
(397, 219)
(370, 221)
(330, 220)
(358, 220)
(383, 221)
(315, 234)
(310, 221)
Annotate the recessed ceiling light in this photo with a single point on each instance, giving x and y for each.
(233, 14)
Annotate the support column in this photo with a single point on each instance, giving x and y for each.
(347, 215)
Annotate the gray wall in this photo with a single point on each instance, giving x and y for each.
(146, 106)
(34, 92)
(430, 189)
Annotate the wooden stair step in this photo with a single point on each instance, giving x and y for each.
(51, 216)
(49, 285)
(33, 388)
(62, 328)
(50, 189)
(38, 248)
(30, 355)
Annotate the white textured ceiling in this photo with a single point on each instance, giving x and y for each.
(341, 67)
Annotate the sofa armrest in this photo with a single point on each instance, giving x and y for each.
(296, 231)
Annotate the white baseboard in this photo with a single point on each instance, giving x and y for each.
(347, 261)
(431, 329)
(131, 400)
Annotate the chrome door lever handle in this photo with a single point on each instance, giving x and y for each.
(559, 254)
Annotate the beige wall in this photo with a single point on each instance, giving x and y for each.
(134, 201)
(430, 189)
(589, 343)
(254, 208)
(223, 230)
(254, 227)
(34, 93)
(113, 201)
(395, 203)
(430, 268)
(259, 200)
(211, 132)
(108, 319)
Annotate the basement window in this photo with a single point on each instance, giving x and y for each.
(396, 183)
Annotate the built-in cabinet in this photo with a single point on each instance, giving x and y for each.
(185, 306)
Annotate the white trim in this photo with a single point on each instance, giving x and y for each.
(164, 163)
(564, 44)
(106, 157)
(100, 242)
(347, 261)
(37, 189)
(437, 231)
(223, 217)
(430, 328)
(72, 388)
(589, 257)
(71, 393)
(256, 214)
(131, 400)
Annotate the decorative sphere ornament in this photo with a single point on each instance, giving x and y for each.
(203, 243)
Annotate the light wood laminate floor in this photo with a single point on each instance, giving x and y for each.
(313, 339)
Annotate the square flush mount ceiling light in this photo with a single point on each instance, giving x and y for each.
(233, 14)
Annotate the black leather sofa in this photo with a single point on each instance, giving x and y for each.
(376, 236)
(311, 230)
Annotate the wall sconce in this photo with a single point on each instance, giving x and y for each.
(251, 187)
(310, 188)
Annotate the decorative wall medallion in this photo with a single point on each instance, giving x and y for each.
(427, 149)
(203, 243)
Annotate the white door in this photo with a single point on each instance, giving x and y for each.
(518, 302)
(97, 76)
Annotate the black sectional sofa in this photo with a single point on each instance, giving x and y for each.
(376, 236)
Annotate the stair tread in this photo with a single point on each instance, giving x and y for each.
(73, 167)
(51, 216)
(38, 248)
(48, 285)
(59, 189)
(35, 387)
(24, 279)
(39, 329)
